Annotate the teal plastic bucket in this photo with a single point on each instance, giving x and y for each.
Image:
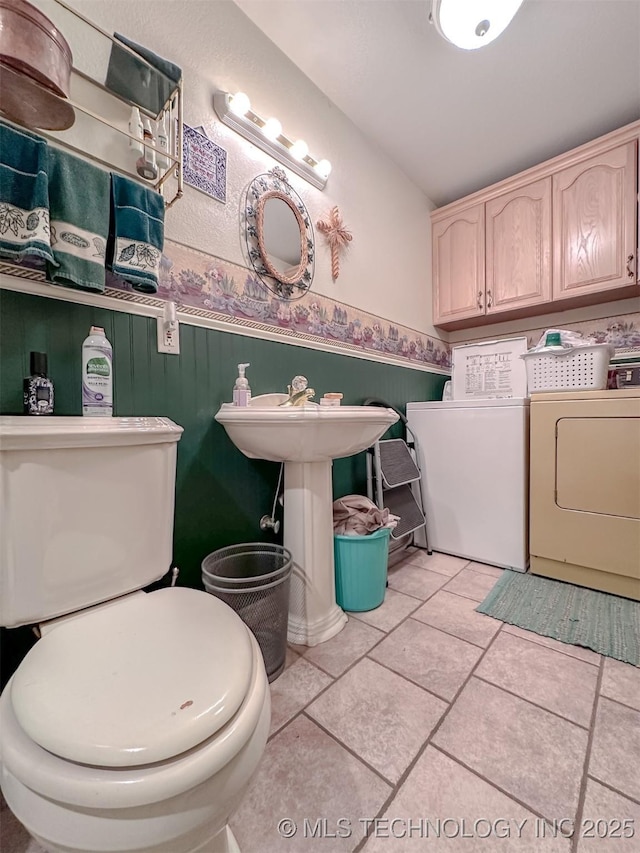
(361, 569)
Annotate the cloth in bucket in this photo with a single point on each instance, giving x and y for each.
(136, 233)
(24, 195)
(355, 515)
(79, 201)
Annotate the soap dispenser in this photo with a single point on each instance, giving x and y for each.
(241, 390)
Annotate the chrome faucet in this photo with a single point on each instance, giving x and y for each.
(298, 392)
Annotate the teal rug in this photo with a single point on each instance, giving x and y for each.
(608, 624)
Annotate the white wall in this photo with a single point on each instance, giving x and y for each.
(387, 268)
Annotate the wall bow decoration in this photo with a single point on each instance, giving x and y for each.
(337, 237)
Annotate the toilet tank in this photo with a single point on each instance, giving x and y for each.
(86, 511)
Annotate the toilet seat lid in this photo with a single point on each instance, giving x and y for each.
(137, 682)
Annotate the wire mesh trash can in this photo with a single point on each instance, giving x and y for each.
(361, 569)
(253, 579)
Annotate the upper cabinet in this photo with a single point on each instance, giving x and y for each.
(563, 234)
(458, 265)
(595, 222)
(518, 248)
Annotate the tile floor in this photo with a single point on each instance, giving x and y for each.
(427, 726)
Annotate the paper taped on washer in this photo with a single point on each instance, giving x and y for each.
(489, 370)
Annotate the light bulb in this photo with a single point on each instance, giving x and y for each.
(240, 104)
(272, 128)
(471, 24)
(323, 168)
(299, 149)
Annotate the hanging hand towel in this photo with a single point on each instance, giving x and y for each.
(24, 195)
(79, 202)
(136, 237)
(148, 81)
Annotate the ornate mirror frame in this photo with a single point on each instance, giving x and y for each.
(274, 185)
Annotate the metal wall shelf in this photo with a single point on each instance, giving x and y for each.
(100, 132)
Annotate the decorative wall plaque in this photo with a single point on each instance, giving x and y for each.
(205, 164)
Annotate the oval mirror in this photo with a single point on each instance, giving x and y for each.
(279, 235)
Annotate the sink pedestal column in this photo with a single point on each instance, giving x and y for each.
(314, 616)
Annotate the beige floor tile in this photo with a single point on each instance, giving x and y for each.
(305, 774)
(458, 803)
(379, 715)
(574, 651)
(294, 689)
(528, 752)
(339, 653)
(445, 564)
(554, 681)
(607, 810)
(471, 584)
(292, 656)
(435, 660)
(416, 581)
(402, 555)
(391, 612)
(616, 747)
(621, 681)
(457, 615)
(485, 569)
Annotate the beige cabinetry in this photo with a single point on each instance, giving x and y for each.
(518, 248)
(563, 234)
(595, 219)
(585, 489)
(458, 263)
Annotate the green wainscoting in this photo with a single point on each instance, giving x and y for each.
(221, 495)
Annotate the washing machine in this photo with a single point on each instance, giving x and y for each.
(473, 456)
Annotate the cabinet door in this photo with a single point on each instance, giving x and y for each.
(458, 265)
(594, 224)
(518, 234)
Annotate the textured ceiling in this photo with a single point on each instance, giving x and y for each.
(564, 72)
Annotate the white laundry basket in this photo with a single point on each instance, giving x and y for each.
(574, 369)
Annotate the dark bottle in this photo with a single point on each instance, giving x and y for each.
(38, 388)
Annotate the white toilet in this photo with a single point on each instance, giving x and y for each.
(136, 721)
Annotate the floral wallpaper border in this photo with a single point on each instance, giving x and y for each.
(227, 291)
(206, 286)
(621, 331)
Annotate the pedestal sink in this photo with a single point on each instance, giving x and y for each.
(306, 439)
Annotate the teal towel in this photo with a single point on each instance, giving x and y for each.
(24, 195)
(79, 203)
(148, 81)
(136, 237)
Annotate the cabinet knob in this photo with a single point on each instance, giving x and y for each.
(489, 299)
(480, 300)
(630, 271)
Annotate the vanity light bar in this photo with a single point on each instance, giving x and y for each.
(258, 131)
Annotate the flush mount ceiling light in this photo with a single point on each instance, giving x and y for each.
(235, 111)
(472, 23)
